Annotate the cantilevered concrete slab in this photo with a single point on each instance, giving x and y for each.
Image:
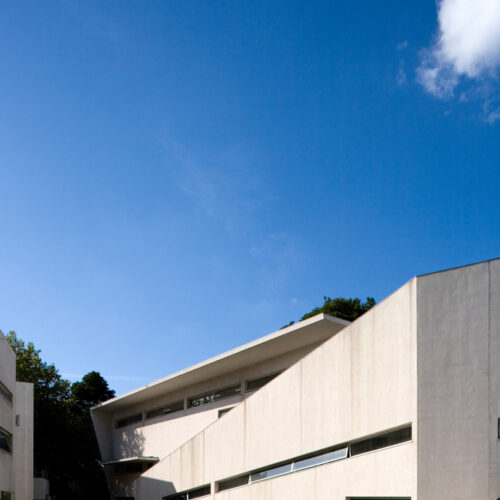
(310, 331)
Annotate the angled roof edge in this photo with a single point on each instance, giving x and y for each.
(458, 267)
(273, 339)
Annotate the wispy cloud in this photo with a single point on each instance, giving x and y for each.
(401, 77)
(466, 48)
(222, 185)
(403, 45)
(226, 187)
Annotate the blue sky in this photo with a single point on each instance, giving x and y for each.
(178, 178)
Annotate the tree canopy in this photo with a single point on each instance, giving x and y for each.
(340, 307)
(65, 447)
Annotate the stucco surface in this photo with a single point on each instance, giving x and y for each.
(387, 473)
(23, 442)
(8, 379)
(455, 431)
(359, 382)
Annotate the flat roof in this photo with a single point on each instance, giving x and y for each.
(310, 331)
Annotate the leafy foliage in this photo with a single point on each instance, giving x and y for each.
(348, 309)
(65, 446)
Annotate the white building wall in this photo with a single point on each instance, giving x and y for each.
(359, 382)
(389, 473)
(23, 441)
(162, 435)
(459, 383)
(8, 379)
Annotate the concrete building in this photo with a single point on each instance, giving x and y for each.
(16, 430)
(404, 403)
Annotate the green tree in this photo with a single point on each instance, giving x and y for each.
(91, 483)
(348, 309)
(65, 446)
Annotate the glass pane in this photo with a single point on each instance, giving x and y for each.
(266, 474)
(225, 393)
(253, 385)
(129, 420)
(179, 405)
(233, 483)
(361, 447)
(378, 442)
(4, 442)
(5, 393)
(200, 492)
(154, 413)
(201, 400)
(330, 456)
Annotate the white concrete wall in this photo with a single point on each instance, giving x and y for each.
(8, 379)
(359, 382)
(23, 441)
(390, 473)
(162, 435)
(459, 383)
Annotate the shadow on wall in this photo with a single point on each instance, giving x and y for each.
(154, 488)
(131, 443)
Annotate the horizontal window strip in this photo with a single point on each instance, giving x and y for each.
(166, 410)
(254, 385)
(324, 456)
(132, 419)
(212, 396)
(190, 494)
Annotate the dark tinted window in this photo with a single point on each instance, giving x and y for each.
(233, 483)
(188, 495)
(5, 393)
(165, 410)
(133, 419)
(382, 441)
(253, 385)
(5, 441)
(209, 397)
(200, 492)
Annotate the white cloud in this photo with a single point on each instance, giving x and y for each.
(467, 45)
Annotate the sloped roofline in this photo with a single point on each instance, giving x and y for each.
(301, 334)
(458, 267)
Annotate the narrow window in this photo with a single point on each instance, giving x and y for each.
(165, 410)
(5, 393)
(253, 385)
(381, 441)
(324, 458)
(268, 473)
(227, 393)
(5, 441)
(188, 495)
(233, 483)
(210, 397)
(132, 419)
(200, 492)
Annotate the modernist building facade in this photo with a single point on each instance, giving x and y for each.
(16, 430)
(403, 403)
